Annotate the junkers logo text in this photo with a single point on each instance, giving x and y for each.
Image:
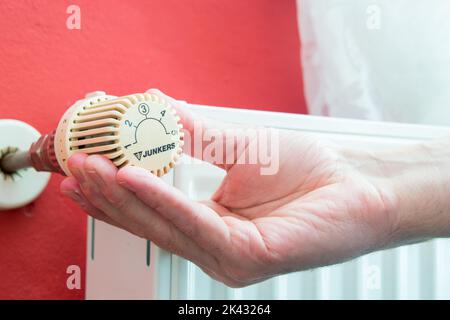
(151, 152)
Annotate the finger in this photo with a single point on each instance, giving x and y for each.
(197, 221)
(201, 132)
(69, 187)
(124, 207)
(91, 188)
(222, 278)
(188, 118)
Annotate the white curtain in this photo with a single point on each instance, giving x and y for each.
(377, 59)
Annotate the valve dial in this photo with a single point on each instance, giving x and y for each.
(138, 129)
(150, 135)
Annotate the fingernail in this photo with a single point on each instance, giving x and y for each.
(98, 180)
(126, 185)
(78, 174)
(74, 195)
(122, 181)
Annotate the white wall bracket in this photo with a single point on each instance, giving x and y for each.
(26, 185)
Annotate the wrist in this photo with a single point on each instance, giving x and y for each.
(422, 185)
(414, 182)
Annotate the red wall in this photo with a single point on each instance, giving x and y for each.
(230, 53)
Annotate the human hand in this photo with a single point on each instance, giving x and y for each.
(323, 205)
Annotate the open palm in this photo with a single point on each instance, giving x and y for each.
(316, 209)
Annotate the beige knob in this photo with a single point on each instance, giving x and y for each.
(138, 129)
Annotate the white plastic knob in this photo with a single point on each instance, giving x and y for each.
(140, 129)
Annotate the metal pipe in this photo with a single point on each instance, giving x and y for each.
(15, 161)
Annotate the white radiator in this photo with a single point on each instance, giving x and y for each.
(123, 266)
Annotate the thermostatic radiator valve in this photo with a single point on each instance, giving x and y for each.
(139, 129)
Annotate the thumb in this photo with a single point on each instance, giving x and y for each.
(216, 142)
